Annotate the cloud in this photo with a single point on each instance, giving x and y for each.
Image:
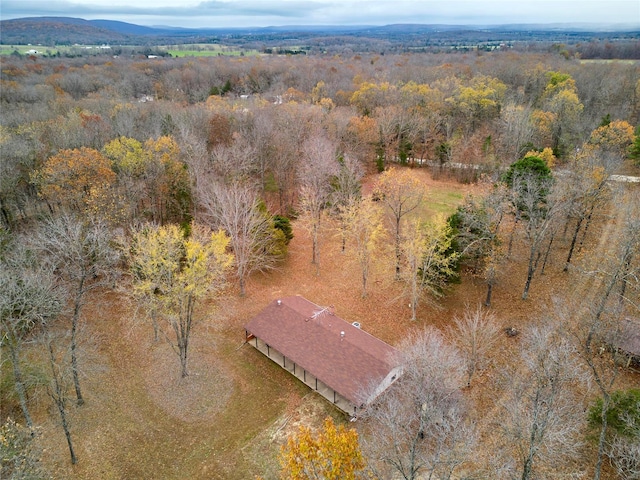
(332, 12)
(216, 8)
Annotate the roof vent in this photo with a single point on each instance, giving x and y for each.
(356, 324)
(341, 335)
(279, 302)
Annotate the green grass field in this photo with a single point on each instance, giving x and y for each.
(442, 199)
(205, 50)
(189, 50)
(24, 49)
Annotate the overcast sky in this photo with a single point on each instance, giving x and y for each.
(245, 13)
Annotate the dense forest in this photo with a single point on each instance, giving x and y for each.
(163, 189)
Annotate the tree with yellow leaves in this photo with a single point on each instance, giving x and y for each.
(370, 96)
(172, 270)
(364, 225)
(545, 154)
(402, 194)
(429, 259)
(560, 98)
(151, 177)
(614, 137)
(481, 100)
(334, 454)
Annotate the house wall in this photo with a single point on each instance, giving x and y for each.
(304, 376)
(392, 376)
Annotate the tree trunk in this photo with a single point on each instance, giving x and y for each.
(67, 433)
(242, 286)
(586, 228)
(546, 254)
(364, 281)
(398, 253)
(156, 327)
(184, 334)
(573, 243)
(20, 390)
(513, 231)
(74, 344)
(314, 242)
(183, 363)
(58, 396)
(530, 271)
(487, 302)
(623, 286)
(414, 296)
(603, 436)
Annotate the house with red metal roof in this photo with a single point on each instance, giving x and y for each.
(339, 360)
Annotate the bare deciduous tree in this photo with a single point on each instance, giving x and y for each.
(625, 456)
(28, 300)
(516, 130)
(236, 208)
(419, 428)
(475, 333)
(85, 259)
(599, 322)
(587, 189)
(541, 204)
(541, 417)
(345, 192)
(319, 167)
(59, 385)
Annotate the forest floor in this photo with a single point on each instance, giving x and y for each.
(228, 418)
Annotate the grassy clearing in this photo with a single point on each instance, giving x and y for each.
(443, 200)
(206, 50)
(24, 49)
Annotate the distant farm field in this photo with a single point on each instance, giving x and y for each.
(205, 50)
(188, 50)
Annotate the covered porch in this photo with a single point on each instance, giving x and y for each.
(303, 375)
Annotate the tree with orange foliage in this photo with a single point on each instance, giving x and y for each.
(72, 177)
(334, 454)
(362, 138)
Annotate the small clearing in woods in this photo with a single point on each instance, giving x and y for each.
(228, 418)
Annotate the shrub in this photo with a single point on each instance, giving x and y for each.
(623, 414)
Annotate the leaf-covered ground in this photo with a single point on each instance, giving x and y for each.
(229, 417)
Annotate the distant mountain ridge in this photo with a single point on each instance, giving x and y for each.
(52, 31)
